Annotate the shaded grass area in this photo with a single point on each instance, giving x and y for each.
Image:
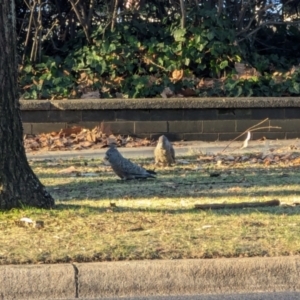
(99, 217)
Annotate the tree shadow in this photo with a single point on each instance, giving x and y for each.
(190, 183)
(274, 210)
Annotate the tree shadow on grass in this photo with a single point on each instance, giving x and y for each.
(180, 181)
(274, 210)
(272, 184)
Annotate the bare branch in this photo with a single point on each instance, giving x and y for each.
(28, 30)
(89, 18)
(182, 7)
(266, 24)
(114, 15)
(81, 20)
(240, 205)
(220, 7)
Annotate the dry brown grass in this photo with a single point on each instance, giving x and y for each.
(99, 217)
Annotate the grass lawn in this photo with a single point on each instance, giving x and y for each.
(98, 217)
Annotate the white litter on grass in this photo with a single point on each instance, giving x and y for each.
(26, 220)
(245, 145)
(206, 226)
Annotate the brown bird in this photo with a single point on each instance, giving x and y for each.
(164, 152)
(124, 168)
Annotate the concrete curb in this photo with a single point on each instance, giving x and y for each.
(160, 103)
(142, 278)
(37, 281)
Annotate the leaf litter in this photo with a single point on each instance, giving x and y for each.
(78, 138)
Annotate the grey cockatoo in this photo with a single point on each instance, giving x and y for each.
(124, 168)
(164, 152)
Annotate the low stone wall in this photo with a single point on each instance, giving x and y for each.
(207, 119)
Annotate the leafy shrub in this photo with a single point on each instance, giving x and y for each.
(137, 59)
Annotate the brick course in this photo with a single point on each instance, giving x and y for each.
(46, 127)
(268, 135)
(98, 115)
(286, 125)
(118, 127)
(209, 137)
(185, 126)
(150, 126)
(27, 128)
(242, 125)
(179, 119)
(219, 126)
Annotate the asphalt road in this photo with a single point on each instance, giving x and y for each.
(184, 149)
(254, 296)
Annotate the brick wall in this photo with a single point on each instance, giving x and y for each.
(178, 123)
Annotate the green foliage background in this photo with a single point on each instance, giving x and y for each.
(68, 47)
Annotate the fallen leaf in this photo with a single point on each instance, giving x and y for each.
(69, 131)
(188, 92)
(167, 93)
(177, 75)
(91, 95)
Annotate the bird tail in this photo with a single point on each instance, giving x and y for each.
(151, 173)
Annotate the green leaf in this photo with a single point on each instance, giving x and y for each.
(41, 66)
(27, 69)
(34, 94)
(179, 35)
(187, 61)
(160, 61)
(223, 64)
(239, 91)
(108, 47)
(57, 81)
(296, 87)
(201, 46)
(210, 35)
(100, 67)
(26, 95)
(198, 39)
(237, 58)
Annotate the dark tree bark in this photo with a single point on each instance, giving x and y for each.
(19, 186)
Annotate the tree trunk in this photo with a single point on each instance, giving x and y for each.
(19, 186)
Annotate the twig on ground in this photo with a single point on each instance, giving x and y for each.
(274, 202)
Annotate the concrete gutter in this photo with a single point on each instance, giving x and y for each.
(160, 103)
(156, 277)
